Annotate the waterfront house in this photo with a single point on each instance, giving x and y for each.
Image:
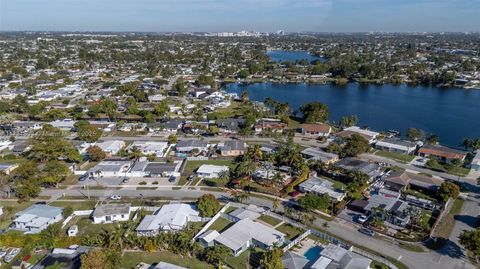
(475, 165)
(110, 213)
(441, 153)
(36, 218)
(229, 125)
(315, 130)
(396, 145)
(169, 218)
(247, 233)
(370, 136)
(270, 125)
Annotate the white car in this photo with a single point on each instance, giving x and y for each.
(116, 197)
(362, 219)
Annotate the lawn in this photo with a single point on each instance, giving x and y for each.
(457, 171)
(75, 205)
(411, 247)
(220, 224)
(86, 226)
(191, 166)
(230, 209)
(290, 231)
(270, 220)
(446, 226)
(10, 208)
(239, 262)
(131, 259)
(404, 158)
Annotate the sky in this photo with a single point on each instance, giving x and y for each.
(236, 15)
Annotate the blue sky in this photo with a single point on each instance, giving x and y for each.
(235, 15)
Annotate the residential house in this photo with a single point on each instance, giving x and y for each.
(370, 136)
(388, 208)
(247, 233)
(188, 146)
(292, 260)
(475, 164)
(207, 239)
(335, 257)
(155, 169)
(232, 148)
(271, 176)
(230, 126)
(169, 218)
(441, 153)
(315, 130)
(110, 168)
(396, 145)
(400, 180)
(372, 170)
(269, 125)
(319, 155)
(110, 213)
(322, 186)
(110, 147)
(211, 171)
(64, 125)
(69, 258)
(149, 147)
(36, 218)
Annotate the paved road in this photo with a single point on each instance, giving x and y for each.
(413, 260)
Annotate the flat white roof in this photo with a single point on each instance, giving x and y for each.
(169, 217)
(211, 169)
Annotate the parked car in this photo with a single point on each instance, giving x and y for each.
(362, 219)
(116, 197)
(171, 179)
(125, 180)
(367, 231)
(190, 177)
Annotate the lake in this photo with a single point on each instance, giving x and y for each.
(451, 113)
(291, 56)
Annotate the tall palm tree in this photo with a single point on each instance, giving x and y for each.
(240, 196)
(467, 143)
(275, 204)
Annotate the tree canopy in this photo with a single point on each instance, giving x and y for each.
(314, 112)
(208, 205)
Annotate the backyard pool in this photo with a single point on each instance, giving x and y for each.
(313, 253)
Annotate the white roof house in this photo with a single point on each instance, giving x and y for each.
(110, 168)
(395, 145)
(321, 186)
(246, 233)
(372, 136)
(111, 147)
(319, 155)
(334, 256)
(475, 165)
(211, 171)
(150, 147)
(109, 213)
(171, 217)
(36, 218)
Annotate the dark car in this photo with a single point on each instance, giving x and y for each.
(171, 179)
(367, 231)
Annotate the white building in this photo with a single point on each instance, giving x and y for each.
(247, 233)
(36, 218)
(475, 165)
(321, 186)
(171, 217)
(109, 213)
(395, 145)
(110, 168)
(149, 147)
(371, 136)
(211, 171)
(334, 256)
(72, 231)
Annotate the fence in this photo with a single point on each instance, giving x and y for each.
(373, 257)
(296, 240)
(446, 208)
(76, 214)
(218, 215)
(198, 158)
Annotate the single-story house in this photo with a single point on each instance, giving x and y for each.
(269, 148)
(171, 217)
(268, 176)
(441, 153)
(110, 147)
(475, 165)
(400, 180)
(243, 213)
(396, 145)
(334, 256)
(319, 155)
(372, 170)
(207, 238)
(321, 186)
(271, 125)
(110, 213)
(388, 208)
(149, 147)
(110, 168)
(187, 146)
(36, 218)
(69, 258)
(230, 126)
(211, 171)
(232, 148)
(315, 130)
(247, 233)
(155, 169)
(370, 136)
(292, 260)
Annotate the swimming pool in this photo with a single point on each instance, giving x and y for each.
(313, 253)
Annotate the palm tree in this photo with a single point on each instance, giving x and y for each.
(224, 176)
(467, 143)
(245, 96)
(247, 167)
(275, 204)
(240, 196)
(277, 179)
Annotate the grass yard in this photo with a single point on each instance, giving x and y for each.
(404, 158)
(220, 224)
(10, 208)
(86, 226)
(270, 220)
(75, 205)
(191, 166)
(290, 231)
(130, 259)
(239, 262)
(230, 209)
(446, 226)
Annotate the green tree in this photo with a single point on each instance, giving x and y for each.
(348, 121)
(355, 145)
(448, 190)
(208, 205)
(414, 134)
(313, 202)
(94, 259)
(272, 259)
(172, 139)
(470, 239)
(49, 143)
(95, 153)
(180, 87)
(216, 255)
(314, 112)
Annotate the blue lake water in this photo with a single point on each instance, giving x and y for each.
(313, 253)
(451, 113)
(291, 56)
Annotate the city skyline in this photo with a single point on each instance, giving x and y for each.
(229, 16)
